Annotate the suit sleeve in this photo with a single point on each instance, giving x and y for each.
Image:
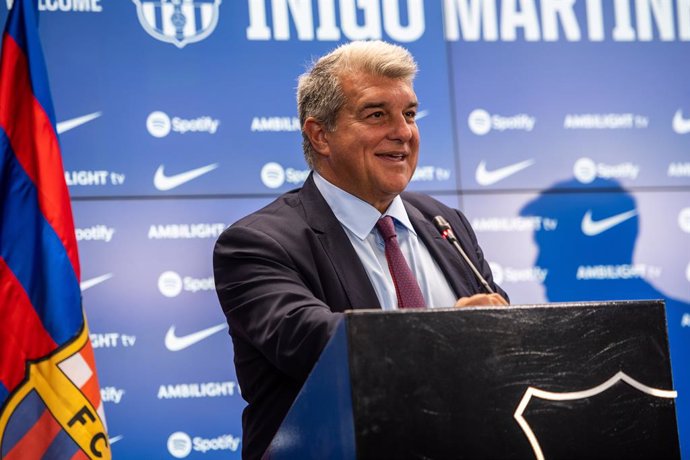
(478, 256)
(267, 301)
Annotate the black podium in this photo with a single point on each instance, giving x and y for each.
(580, 380)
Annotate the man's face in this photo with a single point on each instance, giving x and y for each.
(372, 153)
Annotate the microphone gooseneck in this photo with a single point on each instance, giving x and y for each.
(446, 232)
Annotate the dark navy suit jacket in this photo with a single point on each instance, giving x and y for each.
(283, 276)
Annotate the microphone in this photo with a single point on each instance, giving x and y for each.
(446, 232)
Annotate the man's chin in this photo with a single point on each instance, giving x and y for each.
(401, 180)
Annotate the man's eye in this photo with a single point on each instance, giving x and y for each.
(411, 114)
(376, 115)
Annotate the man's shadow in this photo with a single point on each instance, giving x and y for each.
(589, 256)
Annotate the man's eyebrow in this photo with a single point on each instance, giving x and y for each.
(379, 105)
(372, 105)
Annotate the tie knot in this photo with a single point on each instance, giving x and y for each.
(386, 227)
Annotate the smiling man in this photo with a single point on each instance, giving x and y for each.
(349, 238)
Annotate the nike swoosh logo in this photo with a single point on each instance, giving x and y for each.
(421, 114)
(72, 123)
(485, 177)
(175, 343)
(115, 439)
(163, 182)
(680, 124)
(84, 285)
(593, 228)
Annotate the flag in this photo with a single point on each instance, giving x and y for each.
(50, 405)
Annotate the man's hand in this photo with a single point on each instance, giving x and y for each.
(480, 300)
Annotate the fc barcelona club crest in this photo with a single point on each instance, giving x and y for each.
(178, 21)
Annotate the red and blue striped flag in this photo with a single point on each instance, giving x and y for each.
(50, 404)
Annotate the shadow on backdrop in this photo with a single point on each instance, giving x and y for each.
(589, 256)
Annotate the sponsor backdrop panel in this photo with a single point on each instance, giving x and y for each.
(593, 89)
(663, 244)
(210, 108)
(178, 118)
(160, 338)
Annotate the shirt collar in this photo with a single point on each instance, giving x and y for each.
(357, 215)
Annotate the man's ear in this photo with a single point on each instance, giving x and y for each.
(316, 133)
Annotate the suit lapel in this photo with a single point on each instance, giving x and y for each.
(337, 246)
(457, 273)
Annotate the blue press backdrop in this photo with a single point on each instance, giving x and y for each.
(540, 119)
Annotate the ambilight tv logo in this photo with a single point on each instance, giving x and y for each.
(178, 21)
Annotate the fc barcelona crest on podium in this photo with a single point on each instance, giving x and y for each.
(179, 22)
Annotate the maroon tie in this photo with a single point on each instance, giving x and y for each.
(406, 286)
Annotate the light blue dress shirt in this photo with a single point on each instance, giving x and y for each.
(358, 219)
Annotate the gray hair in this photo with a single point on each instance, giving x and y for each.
(319, 90)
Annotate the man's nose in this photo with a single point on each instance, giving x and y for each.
(401, 128)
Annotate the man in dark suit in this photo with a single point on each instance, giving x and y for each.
(285, 274)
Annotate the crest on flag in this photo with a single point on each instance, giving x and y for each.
(60, 393)
(178, 21)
